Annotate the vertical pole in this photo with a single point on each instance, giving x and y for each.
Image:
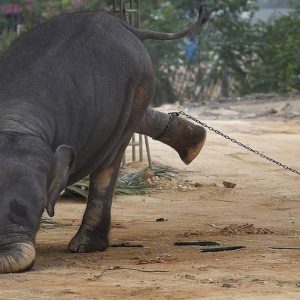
(121, 9)
(124, 160)
(133, 148)
(141, 147)
(138, 7)
(131, 15)
(148, 152)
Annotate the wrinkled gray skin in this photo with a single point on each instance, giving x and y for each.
(73, 91)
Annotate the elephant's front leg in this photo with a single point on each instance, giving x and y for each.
(94, 230)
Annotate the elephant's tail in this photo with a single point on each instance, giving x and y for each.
(153, 35)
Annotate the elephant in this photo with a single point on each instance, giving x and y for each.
(73, 91)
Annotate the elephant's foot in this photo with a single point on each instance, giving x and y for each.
(186, 137)
(88, 240)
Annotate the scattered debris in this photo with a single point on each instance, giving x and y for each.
(97, 277)
(117, 225)
(148, 174)
(199, 185)
(50, 224)
(189, 233)
(155, 260)
(196, 243)
(188, 276)
(284, 248)
(145, 271)
(146, 261)
(245, 229)
(158, 178)
(127, 245)
(234, 229)
(229, 185)
(225, 248)
(129, 183)
(161, 220)
(213, 226)
(271, 111)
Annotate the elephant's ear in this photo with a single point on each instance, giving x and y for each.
(64, 165)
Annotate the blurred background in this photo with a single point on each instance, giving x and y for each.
(247, 47)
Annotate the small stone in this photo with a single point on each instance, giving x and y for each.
(229, 185)
(227, 285)
(161, 220)
(148, 174)
(189, 277)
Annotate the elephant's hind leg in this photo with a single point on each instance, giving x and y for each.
(94, 230)
(185, 137)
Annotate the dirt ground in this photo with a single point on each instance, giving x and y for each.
(261, 212)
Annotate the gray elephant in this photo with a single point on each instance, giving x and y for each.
(73, 91)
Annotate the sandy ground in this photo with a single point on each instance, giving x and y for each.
(265, 196)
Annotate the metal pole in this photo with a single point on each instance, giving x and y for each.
(141, 147)
(133, 148)
(121, 9)
(131, 14)
(148, 152)
(138, 14)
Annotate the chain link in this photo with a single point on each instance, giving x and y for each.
(237, 142)
(172, 117)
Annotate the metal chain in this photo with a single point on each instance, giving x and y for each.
(237, 142)
(172, 117)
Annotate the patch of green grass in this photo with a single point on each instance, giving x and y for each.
(50, 224)
(129, 183)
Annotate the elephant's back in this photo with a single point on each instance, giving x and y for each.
(76, 40)
(75, 65)
(72, 79)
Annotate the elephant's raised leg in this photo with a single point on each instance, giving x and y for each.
(182, 135)
(94, 230)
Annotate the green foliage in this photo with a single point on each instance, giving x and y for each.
(277, 64)
(129, 183)
(226, 46)
(229, 45)
(166, 56)
(6, 38)
(235, 55)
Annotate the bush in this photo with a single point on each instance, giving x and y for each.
(277, 64)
